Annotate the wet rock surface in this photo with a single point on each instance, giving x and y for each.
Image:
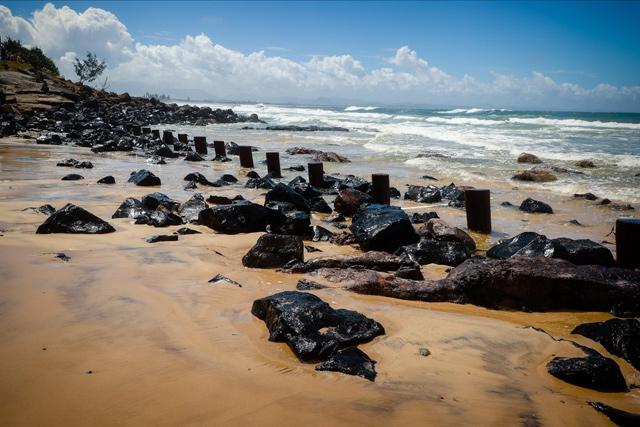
(383, 228)
(144, 178)
(621, 337)
(593, 371)
(131, 208)
(350, 361)
(74, 219)
(72, 177)
(438, 229)
(239, 217)
(428, 194)
(535, 175)
(107, 180)
(535, 206)
(528, 158)
(380, 261)
(617, 416)
(436, 252)
(162, 238)
(190, 210)
(349, 201)
(274, 250)
(310, 326)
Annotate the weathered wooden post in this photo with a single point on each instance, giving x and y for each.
(273, 164)
(221, 151)
(167, 137)
(146, 131)
(201, 144)
(478, 206)
(156, 133)
(183, 138)
(137, 130)
(316, 174)
(380, 188)
(246, 156)
(628, 242)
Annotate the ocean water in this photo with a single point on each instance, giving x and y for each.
(471, 143)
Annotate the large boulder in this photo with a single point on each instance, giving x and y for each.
(190, 210)
(593, 371)
(274, 250)
(438, 229)
(436, 252)
(284, 193)
(621, 337)
(428, 194)
(383, 228)
(310, 326)
(290, 221)
(529, 244)
(74, 219)
(153, 200)
(144, 178)
(349, 200)
(373, 260)
(239, 217)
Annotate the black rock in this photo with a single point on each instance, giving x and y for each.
(64, 257)
(67, 163)
(163, 238)
(586, 196)
(72, 177)
(349, 201)
(193, 157)
(535, 206)
(190, 210)
(144, 178)
(436, 252)
(318, 204)
(186, 230)
(594, 371)
(161, 217)
(507, 248)
(165, 151)
(621, 337)
(222, 278)
(284, 193)
(428, 194)
(156, 160)
(252, 175)
(228, 178)
(289, 221)
(297, 168)
(438, 229)
(74, 219)
(222, 200)
(84, 165)
(382, 227)
(274, 250)
(429, 177)
(200, 179)
(311, 249)
(420, 218)
(617, 416)
(131, 208)
(191, 185)
(310, 326)
(240, 217)
(153, 200)
(321, 234)
(265, 183)
(44, 209)
(350, 361)
(394, 193)
(406, 272)
(507, 204)
(107, 180)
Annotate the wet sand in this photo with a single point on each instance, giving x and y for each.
(167, 348)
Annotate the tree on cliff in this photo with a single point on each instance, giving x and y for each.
(12, 50)
(90, 68)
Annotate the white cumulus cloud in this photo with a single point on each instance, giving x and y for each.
(198, 67)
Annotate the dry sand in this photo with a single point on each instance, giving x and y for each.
(167, 348)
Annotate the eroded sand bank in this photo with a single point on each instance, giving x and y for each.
(167, 348)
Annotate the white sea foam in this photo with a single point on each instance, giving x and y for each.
(573, 123)
(356, 108)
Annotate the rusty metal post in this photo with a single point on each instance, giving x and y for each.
(221, 151)
(183, 138)
(478, 206)
(146, 131)
(316, 174)
(628, 242)
(246, 156)
(273, 164)
(156, 133)
(167, 137)
(380, 188)
(201, 144)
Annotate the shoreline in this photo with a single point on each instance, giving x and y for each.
(166, 347)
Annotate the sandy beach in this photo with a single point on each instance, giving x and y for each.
(131, 333)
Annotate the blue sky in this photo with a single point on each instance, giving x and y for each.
(582, 43)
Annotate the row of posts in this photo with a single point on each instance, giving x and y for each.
(477, 201)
